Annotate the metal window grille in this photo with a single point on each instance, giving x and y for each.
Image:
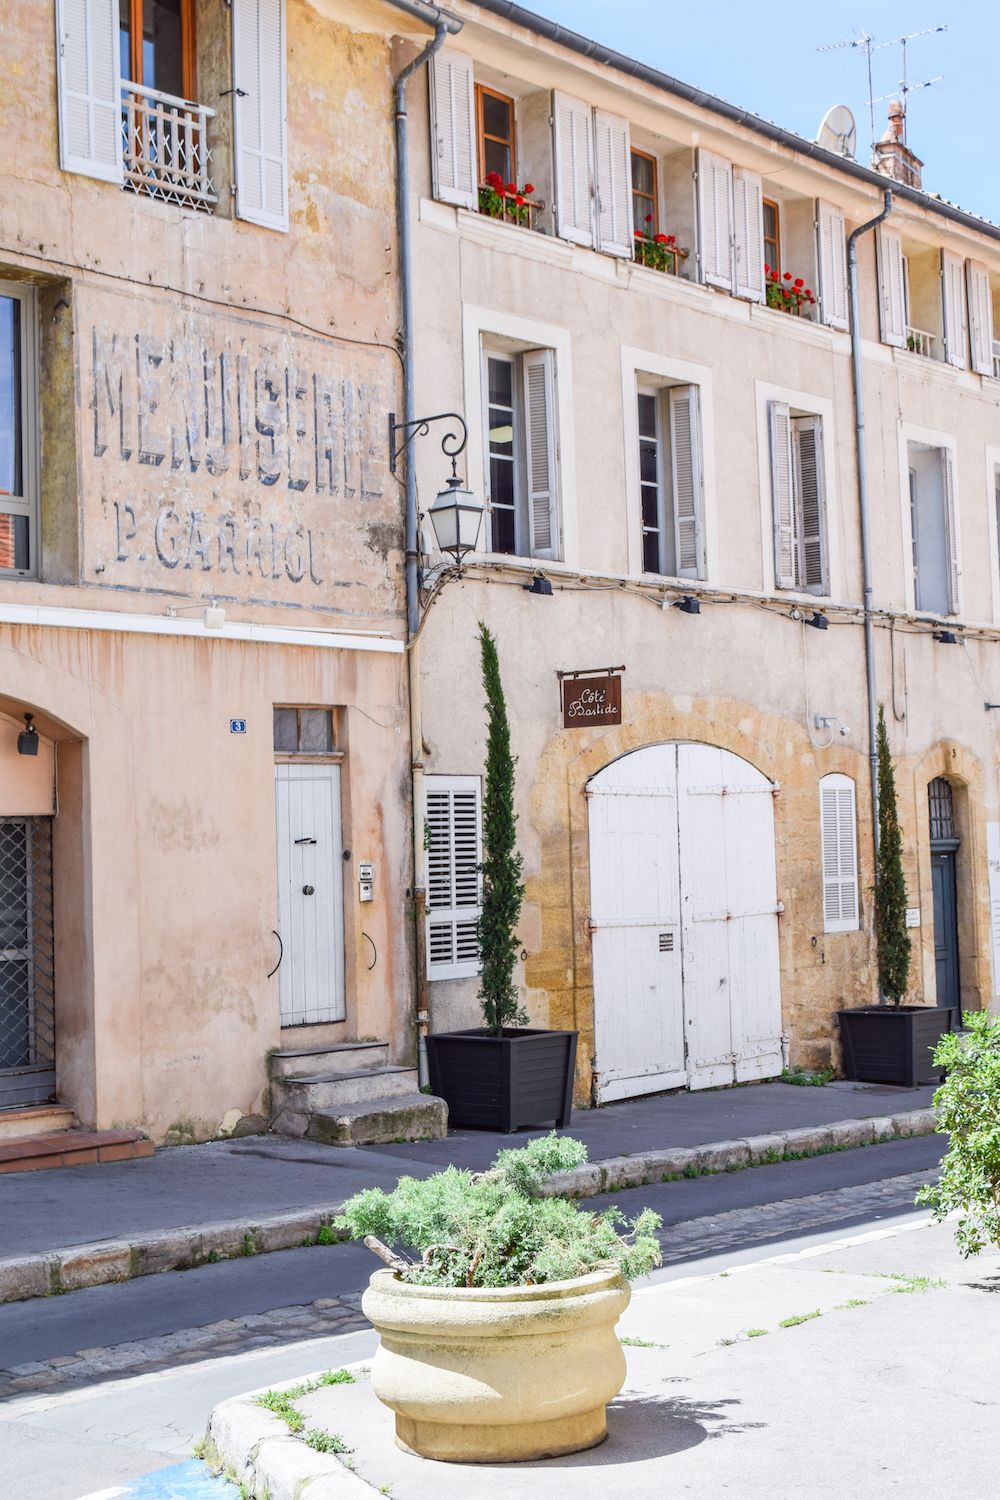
(165, 144)
(27, 961)
(942, 809)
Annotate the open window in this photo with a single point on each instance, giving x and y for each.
(933, 528)
(18, 432)
(798, 495)
(520, 418)
(670, 480)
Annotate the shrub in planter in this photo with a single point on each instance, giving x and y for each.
(968, 1110)
(497, 1325)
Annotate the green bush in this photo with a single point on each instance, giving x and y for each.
(491, 1229)
(967, 1105)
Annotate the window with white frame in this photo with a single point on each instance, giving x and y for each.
(798, 495)
(838, 828)
(933, 528)
(670, 480)
(453, 839)
(522, 478)
(18, 428)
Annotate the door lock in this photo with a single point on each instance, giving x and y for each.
(308, 890)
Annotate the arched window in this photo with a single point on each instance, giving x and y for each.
(838, 826)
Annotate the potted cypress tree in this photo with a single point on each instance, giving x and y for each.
(505, 1074)
(891, 1042)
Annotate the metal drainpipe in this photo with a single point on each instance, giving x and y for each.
(443, 26)
(862, 471)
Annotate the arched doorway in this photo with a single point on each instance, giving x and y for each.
(945, 845)
(683, 916)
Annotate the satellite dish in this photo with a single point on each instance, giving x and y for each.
(838, 132)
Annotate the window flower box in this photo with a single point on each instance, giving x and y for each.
(658, 252)
(505, 200)
(785, 292)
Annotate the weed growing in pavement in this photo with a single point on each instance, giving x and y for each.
(248, 1247)
(912, 1283)
(326, 1235)
(851, 1302)
(807, 1077)
(726, 1342)
(337, 1377)
(757, 1333)
(325, 1442)
(282, 1403)
(213, 1257)
(633, 1343)
(797, 1318)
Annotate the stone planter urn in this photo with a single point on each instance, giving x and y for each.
(495, 1374)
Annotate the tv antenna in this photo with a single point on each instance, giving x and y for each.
(868, 45)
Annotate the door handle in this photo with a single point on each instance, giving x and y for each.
(308, 890)
(305, 841)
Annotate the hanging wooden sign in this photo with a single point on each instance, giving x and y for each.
(591, 701)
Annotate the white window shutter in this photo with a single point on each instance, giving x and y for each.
(831, 234)
(685, 463)
(891, 299)
(980, 316)
(748, 233)
(953, 297)
(540, 452)
(613, 166)
(810, 502)
(454, 855)
(715, 219)
(780, 431)
(453, 128)
(90, 94)
(951, 520)
(573, 159)
(838, 829)
(260, 108)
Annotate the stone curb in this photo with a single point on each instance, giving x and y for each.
(645, 1167)
(253, 1444)
(68, 1270)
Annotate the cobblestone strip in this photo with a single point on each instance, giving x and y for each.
(321, 1319)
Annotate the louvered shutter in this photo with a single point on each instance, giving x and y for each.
(453, 881)
(573, 159)
(685, 465)
(780, 431)
(453, 128)
(831, 237)
(90, 95)
(809, 497)
(540, 452)
(715, 220)
(838, 828)
(953, 296)
(980, 316)
(261, 129)
(892, 302)
(748, 234)
(951, 521)
(613, 167)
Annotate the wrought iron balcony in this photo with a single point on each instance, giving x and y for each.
(165, 141)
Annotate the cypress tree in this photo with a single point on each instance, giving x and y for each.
(503, 890)
(890, 886)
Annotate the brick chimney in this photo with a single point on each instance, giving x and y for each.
(892, 155)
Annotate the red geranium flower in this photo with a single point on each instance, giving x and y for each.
(799, 283)
(637, 233)
(659, 239)
(766, 268)
(649, 218)
(529, 187)
(512, 187)
(495, 181)
(519, 201)
(671, 239)
(788, 275)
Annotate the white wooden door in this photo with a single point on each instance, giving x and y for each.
(310, 893)
(684, 919)
(635, 922)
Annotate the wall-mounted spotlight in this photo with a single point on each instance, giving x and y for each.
(818, 621)
(827, 721)
(689, 605)
(27, 740)
(946, 637)
(213, 616)
(538, 585)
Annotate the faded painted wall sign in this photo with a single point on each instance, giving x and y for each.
(234, 458)
(591, 701)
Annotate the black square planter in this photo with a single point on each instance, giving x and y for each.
(894, 1043)
(491, 1082)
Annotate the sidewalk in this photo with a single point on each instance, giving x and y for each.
(82, 1226)
(805, 1376)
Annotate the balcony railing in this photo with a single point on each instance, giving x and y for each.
(996, 359)
(165, 144)
(505, 207)
(919, 341)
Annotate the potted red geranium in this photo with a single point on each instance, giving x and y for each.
(786, 293)
(505, 200)
(659, 252)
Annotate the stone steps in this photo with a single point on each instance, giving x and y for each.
(71, 1148)
(349, 1095)
(330, 1090)
(344, 1057)
(34, 1119)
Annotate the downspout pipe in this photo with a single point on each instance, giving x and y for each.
(444, 25)
(861, 459)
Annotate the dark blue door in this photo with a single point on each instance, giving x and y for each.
(945, 925)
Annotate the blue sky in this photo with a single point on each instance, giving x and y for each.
(765, 59)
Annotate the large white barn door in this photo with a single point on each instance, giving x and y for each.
(310, 893)
(635, 922)
(684, 922)
(732, 997)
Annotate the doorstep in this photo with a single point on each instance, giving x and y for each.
(33, 1119)
(71, 1148)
